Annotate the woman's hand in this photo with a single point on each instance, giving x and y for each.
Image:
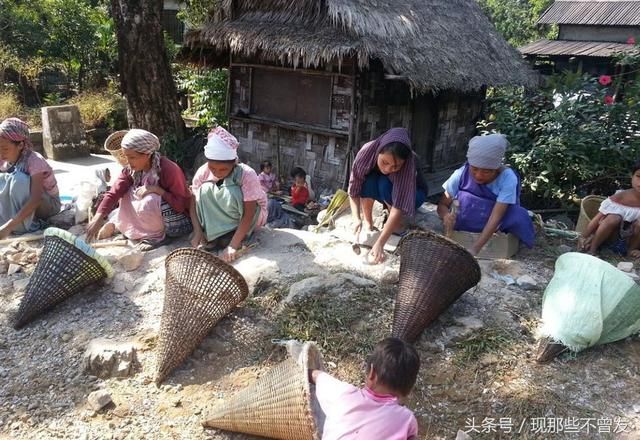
(376, 255)
(94, 226)
(5, 230)
(229, 254)
(148, 189)
(584, 243)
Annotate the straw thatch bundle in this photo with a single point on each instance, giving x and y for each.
(432, 44)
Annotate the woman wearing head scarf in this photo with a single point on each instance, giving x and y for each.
(385, 170)
(153, 195)
(28, 187)
(229, 203)
(488, 195)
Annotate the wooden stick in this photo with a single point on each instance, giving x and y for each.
(22, 239)
(110, 243)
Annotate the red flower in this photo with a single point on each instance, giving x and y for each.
(605, 80)
(609, 100)
(631, 40)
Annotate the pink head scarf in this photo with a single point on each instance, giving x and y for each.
(17, 130)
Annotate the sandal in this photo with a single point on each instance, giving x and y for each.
(148, 245)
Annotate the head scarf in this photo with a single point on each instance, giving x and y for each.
(487, 151)
(143, 142)
(18, 131)
(221, 145)
(404, 180)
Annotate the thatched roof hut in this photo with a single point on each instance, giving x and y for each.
(312, 80)
(435, 44)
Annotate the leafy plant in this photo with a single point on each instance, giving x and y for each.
(9, 105)
(207, 89)
(575, 136)
(101, 109)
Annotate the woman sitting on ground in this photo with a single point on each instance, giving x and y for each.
(488, 195)
(28, 187)
(153, 195)
(229, 203)
(385, 170)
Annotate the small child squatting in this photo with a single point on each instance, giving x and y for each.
(373, 412)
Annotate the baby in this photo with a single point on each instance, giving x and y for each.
(373, 412)
(299, 190)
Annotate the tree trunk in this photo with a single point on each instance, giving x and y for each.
(145, 71)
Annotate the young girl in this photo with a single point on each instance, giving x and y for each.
(385, 170)
(229, 203)
(153, 195)
(617, 219)
(28, 187)
(299, 190)
(373, 412)
(268, 180)
(488, 194)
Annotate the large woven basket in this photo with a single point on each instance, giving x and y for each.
(278, 405)
(66, 266)
(589, 207)
(113, 144)
(434, 272)
(200, 289)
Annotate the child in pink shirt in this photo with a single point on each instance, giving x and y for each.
(373, 412)
(268, 180)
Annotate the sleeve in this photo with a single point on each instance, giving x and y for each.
(359, 170)
(251, 189)
(453, 183)
(199, 178)
(37, 165)
(118, 189)
(508, 187)
(413, 428)
(330, 390)
(175, 185)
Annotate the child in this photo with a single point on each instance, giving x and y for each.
(488, 194)
(153, 196)
(268, 180)
(373, 412)
(299, 190)
(28, 187)
(617, 219)
(229, 203)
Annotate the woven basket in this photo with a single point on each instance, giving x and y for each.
(113, 145)
(589, 207)
(66, 266)
(200, 289)
(434, 272)
(278, 405)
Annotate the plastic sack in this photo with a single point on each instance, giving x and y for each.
(589, 302)
(88, 190)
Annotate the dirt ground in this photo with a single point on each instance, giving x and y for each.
(478, 372)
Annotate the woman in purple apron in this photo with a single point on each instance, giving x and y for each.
(488, 194)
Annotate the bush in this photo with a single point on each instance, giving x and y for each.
(576, 136)
(208, 91)
(101, 109)
(10, 106)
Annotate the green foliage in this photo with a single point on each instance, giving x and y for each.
(208, 90)
(574, 137)
(516, 19)
(196, 12)
(101, 109)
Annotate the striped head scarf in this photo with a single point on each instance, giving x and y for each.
(17, 130)
(404, 180)
(143, 142)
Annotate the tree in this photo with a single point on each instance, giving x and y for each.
(516, 19)
(145, 71)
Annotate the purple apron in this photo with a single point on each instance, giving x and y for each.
(477, 202)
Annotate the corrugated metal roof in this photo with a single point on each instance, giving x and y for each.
(574, 48)
(594, 12)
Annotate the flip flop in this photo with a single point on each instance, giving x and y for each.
(148, 245)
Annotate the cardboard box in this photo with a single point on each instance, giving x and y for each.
(501, 245)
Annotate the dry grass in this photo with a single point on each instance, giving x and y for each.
(98, 108)
(9, 106)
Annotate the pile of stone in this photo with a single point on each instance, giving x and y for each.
(18, 257)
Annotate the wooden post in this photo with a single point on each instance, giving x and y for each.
(354, 124)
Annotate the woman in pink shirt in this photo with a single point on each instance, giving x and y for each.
(28, 187)
(373, 412)
(153, 195)
(229, 203)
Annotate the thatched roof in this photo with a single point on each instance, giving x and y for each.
(434, 44)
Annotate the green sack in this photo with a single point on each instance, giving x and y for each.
(589, 302)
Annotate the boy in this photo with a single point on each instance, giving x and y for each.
(373, 412)
(299, 190)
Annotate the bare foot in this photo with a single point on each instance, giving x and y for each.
(107, 231)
